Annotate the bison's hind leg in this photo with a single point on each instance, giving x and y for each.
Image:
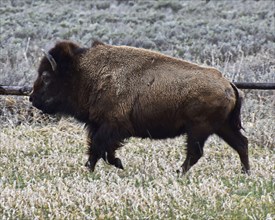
(195, 143)
(237, 141)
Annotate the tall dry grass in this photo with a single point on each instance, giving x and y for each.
(43, 177)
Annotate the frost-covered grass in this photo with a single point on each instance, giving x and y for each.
(41, 158)
(42, 176)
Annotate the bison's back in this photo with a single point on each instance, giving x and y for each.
(161, 96)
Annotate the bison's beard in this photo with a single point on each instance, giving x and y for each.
(54, 107)
(50, 106)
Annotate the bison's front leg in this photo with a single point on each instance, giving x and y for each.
(112, 159)
(103, 144)
(94, 155)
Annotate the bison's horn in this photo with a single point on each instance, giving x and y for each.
(50, 58)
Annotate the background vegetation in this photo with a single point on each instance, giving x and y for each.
(41, 157)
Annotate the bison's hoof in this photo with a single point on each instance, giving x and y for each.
(245, 171)
(118, 163)
(89, 166)
(180, 172)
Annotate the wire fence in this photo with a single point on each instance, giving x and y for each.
(25, 90)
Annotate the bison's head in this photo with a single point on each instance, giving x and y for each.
(53, 89)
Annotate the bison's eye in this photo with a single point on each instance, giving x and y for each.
(46, 77)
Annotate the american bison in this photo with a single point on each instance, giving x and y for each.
(121, 92)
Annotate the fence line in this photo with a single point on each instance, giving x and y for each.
(258, 86)
(26, 90)
(15, 90)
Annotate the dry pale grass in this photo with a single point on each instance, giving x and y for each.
(43, 177)
(41, 158)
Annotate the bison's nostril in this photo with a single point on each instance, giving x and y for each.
(30, 99)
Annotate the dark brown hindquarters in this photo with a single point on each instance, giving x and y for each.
(230, 133)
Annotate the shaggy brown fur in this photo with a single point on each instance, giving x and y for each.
(121, 91)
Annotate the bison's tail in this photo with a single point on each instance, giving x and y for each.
(235, 116)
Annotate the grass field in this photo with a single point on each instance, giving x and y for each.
(42, 176)
(42, 173)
